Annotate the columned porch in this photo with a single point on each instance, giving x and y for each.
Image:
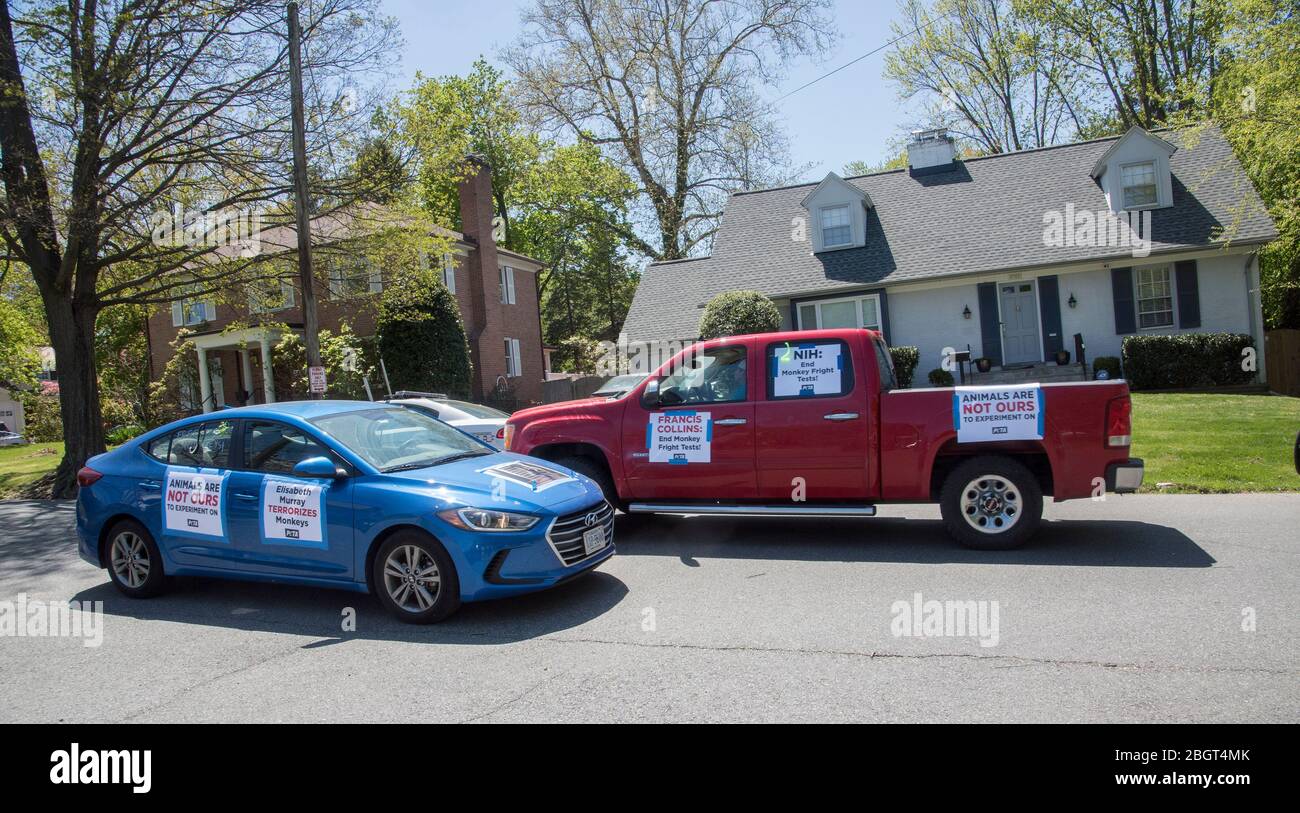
(242, 342)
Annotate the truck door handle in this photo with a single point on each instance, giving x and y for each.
(841, 416)
(731, 422)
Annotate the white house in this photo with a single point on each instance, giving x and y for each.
(1010, 255)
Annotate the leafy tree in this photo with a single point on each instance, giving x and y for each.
(112, 114)
(347, 360)
(669, 92)
(19, 362)
(737, 313)
(988, 73)
(421, 338)
(853, 168)
(122, 359)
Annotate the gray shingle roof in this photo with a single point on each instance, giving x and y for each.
(984, 216)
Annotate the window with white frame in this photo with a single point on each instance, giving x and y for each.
(507, 285)
(1155, 297)
(351, 276)
(837, 229)
(514, 364)
(271, 295)
(1139, 184)
(186, 312)
(449, 271)
(851, 312)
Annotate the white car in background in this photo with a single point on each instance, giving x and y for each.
(483, 422)
(8, 438)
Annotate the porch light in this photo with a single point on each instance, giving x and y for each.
(966, 312)
(1072, 302)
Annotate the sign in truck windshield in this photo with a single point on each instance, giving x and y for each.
(805, 370)
(998, 413)
(679, 436)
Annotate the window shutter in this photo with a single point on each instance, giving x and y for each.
(1189, 295)
(990, 328)
(209, 311)
(290, 294)
(1121, 288)
(510, 285)
(514, 351)
(376, 282)
(449, 272)
(1049, 301)
(178, 313)
(501, 281)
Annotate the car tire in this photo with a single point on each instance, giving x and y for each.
(597, 472)
(402, 578)
(991, 503)
(134, 563)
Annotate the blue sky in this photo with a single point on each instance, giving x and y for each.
(851, 115)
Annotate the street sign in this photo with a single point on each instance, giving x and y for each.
(317, 378)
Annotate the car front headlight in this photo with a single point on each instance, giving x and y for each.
(485, 519)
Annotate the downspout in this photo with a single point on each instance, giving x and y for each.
(1255, 310)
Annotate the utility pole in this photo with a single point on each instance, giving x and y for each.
(311, 329)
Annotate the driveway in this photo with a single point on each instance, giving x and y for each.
(1138, 608)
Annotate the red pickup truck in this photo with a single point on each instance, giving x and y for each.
(811, 423)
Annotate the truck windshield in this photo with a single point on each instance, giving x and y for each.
(395, 438)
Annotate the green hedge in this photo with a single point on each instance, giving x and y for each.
(940, 378)
(737, 313)
(1108, 363)
(905, 361)
(1186, 360)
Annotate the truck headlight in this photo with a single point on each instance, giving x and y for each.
(485, 519)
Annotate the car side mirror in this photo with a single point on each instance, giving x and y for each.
(650, 395)
(319, 467)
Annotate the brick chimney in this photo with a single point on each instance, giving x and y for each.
(483, 323)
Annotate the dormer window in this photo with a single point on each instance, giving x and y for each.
(1139, 185)
(837, 229)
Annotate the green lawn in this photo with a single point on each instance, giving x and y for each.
(1216, 443)
(22, 465)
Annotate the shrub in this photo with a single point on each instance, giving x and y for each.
(1186, 360)
(421, 337)
(42, 418)
(736, 313)
(343, 378)
(940, 378)
(905, 361)
(1108, 363)
(166, 399)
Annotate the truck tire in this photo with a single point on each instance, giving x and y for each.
(597, 472)
(991, 503)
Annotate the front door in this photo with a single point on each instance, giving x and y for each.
(697, 442)
(1019, 323)
(282, 524)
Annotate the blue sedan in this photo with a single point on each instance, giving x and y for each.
(351, 495)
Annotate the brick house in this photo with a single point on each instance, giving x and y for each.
(496, 291)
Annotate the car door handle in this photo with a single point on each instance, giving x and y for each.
(151, 485)
(244, 495)
(841, 416)
(731, 422)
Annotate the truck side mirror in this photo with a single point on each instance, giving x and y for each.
(650, 395)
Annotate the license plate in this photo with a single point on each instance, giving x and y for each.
(593, 540)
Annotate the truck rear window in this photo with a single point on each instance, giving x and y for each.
(812, 369)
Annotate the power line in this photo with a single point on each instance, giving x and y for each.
(872, 52)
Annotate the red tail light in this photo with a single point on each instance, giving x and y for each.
(1119, 422)
(87, 477)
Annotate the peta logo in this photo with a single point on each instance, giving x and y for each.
(77, 767)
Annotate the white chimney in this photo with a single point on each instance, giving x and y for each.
(930, 151)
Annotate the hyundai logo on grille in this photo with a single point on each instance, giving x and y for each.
(591, 518)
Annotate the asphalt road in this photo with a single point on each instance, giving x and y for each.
(1131, 609)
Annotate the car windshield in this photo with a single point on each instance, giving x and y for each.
(475, 410)
(393, 439)
(621, 383)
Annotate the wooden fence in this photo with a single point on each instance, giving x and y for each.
(1282, 361)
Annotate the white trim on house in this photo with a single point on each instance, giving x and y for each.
(1171, 281)
(857, 299)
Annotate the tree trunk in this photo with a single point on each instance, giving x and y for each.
(72, 334)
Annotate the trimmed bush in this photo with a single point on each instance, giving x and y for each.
(1186, 360)
(421, 337)
(1108, 363)
(940, 378)
(737, 313)
(905, 361)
